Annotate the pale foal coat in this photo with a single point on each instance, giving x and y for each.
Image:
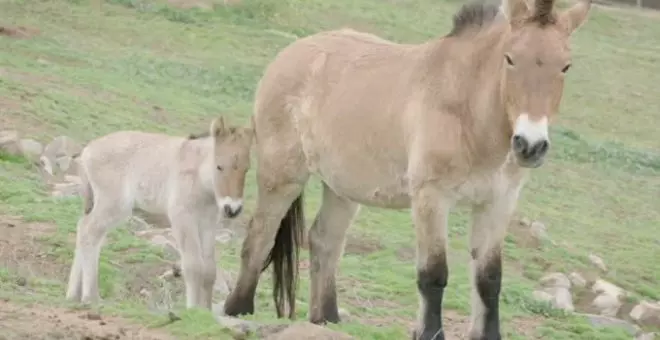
(195, 182)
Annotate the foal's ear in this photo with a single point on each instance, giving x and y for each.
(514, 9)
(217, 127)
(575, 16)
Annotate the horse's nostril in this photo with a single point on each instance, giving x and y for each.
(519, 143)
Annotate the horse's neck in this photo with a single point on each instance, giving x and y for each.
(476, 71)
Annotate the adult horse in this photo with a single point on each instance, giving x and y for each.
(460, 118)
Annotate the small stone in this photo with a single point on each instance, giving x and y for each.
(144, 292)
(563, 299)
(542, 296)
(308, 331)
(93, 316)
(31, 149)
(577, 280)
(600, 321)
(538, 230)
(598, 262)
(646, 336)
(240, 329)
(603, 287)
(607, 304)
(21, 281)
(9, 142)
(344, 314)
(646, 313)
(555, 280)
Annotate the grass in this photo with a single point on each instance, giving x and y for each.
(100, 66)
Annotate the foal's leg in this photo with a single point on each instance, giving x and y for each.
(489, 226)
(207, 234)
(326, 244)
(92, 230)
(196, 274)
(430, 209)
(74, 289)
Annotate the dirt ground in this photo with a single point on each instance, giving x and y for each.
(26, 257)
(40, 322)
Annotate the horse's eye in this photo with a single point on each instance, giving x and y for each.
(565, 69)
(220, 168)
(508, 60)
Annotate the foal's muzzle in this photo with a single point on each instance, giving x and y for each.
(529, 155)
(232, 210)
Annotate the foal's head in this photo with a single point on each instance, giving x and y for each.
(231, 161)
(536, 59)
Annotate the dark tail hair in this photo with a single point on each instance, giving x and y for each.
(284, 257)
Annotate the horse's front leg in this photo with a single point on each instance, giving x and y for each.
(490, 221)
(430, 208)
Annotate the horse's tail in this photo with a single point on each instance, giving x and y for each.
(284, 257)
(86, 192)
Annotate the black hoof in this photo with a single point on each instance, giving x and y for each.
(429, 335)
(236, 307)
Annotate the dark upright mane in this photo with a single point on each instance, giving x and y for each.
(475, 14)
(199, 135)
(543, 13)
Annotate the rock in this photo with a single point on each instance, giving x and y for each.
(563, 299)
(65, 190)
(646, 313)
(538, 231)
(9, 142)
(603, 287)
(58, 155)
(30, 149)
(239, 329)
(646, 336)
(224, 236)
(598, 262)
(555, 280)
(577, 280)
(607, 305)
(308, 331)
(542, 296)
(165, 243)
(600, 321)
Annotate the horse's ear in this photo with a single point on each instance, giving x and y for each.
(514, 9)
(217, 127)
(575, 16)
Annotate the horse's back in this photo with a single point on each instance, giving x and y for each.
(131, 164)
(341, 97)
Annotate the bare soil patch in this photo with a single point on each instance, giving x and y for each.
(23, 253)
(360, 245)
(18, 32)
(40, 322)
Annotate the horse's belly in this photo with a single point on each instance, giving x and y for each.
(366, 184)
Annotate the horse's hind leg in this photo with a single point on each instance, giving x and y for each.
(326, 245)
(92, 230)
(74, 290)
(489, 226)
(272, 206)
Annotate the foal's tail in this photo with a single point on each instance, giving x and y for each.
(284, 257)
(86, 192)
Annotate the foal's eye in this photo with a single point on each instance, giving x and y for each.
(220, 168)
(508, 60)
(565, 69)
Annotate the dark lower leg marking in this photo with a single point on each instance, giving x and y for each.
(431, 283)
(241, 301)
(329, 309)
(489, 283)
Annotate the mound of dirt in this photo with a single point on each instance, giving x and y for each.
(37, 323)
(18, 32)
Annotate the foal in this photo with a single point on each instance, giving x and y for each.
(193, 181)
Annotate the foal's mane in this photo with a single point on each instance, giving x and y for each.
(207, 134)
(474, 15)
(480, 14)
